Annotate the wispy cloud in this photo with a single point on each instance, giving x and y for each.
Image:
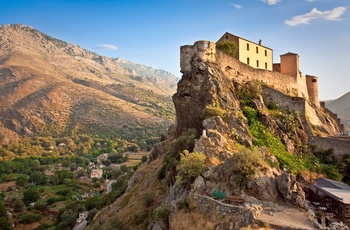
(271, 2)
(331, 15)
(105, 47)
(236, 6)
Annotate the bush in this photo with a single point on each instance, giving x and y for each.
(30, 195)
(228, 47)
(245, 164)
(162, 213)
(172, 157)
(248, 92)
(28, 218)
(190, 166)
(148, 200)
(211, 111)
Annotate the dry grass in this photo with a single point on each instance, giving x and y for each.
(6, 185)
(135, 158)
(132, 209)
(190, 221)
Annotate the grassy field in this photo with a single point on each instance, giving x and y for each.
(135, 158)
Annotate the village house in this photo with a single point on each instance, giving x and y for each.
(96, 173)
(82, 216)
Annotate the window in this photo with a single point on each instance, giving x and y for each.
(257, 50)
(248, 61)
(226, 36)
(265, 53)
(206, 45)
(247, 46)
(257, 63)
(314, 80)
(265, 65)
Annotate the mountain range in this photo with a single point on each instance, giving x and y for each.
(51, 87)
(341, 107)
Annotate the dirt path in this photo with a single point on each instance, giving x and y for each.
(286, 216)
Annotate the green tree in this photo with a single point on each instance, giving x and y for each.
(228, 47)
(30, 196)
(22, 180)
(67, 220)
(73, 166)
(144, 158)
(60, 175)
(18, 205)
(3, 212)
(124, 168)
(4, 223)
(38, 178)
(91, 202)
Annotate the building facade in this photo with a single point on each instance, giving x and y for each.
(253, 54)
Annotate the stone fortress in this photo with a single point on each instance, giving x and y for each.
(282, 83)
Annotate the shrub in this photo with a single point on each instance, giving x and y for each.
(28, 218)
(172, 157)
(162, 213)
(30, 195)
(245, 164)
(249, 91)
(210, 111)
(191, 165)
(228, 47)
(148, 200)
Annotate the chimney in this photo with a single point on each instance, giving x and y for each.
(260, 42)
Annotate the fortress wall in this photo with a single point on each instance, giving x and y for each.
(285, 101)
(187, 52)
(204, 51)
(290, 103)
(242, 73)
(332, 115)
(303, 89)
(340, 146)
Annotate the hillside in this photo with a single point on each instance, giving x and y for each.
(51, 87)
(341, 107)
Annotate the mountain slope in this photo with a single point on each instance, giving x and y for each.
(341, 107)
(50, 87)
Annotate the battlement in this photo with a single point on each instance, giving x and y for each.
(204, 51)
(284, 76)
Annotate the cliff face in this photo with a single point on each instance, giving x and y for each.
(219, 109)
(204, 85)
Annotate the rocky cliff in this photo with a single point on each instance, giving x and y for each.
(252, 149)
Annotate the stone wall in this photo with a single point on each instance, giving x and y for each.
(241, 72)
(204, 51)
(341, 146)
(333, 115)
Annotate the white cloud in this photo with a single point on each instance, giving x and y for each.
(236, 6)
(105, 47)
(271, 2)
(316, 14)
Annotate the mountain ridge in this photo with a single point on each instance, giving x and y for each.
(51, 87)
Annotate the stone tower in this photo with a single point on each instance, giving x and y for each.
(312, 88)
(290, 64)
(204, 51)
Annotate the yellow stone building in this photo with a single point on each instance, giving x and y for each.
(253, 54)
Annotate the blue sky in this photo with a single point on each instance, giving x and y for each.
(151, 32)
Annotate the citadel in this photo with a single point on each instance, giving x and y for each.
(282, 83)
